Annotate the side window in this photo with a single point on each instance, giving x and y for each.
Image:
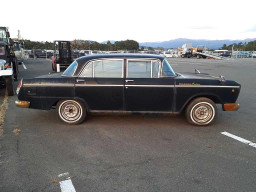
(104, 69)
(108, 68)
(155, 68)
(167, 70)
(139, 69)
(88, 70)
(142, 69)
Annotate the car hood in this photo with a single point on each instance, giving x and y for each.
(204, 79)
(188, 75)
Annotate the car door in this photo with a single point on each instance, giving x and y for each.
(145, 88)
(101, 85)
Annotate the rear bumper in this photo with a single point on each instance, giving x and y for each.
(22, 104)
(230, 106)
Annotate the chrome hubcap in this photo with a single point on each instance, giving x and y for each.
(202, 113)
(70, 111)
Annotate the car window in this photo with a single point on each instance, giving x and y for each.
(167, 70)
(104, 69)
(142, 69)
(71, 69)
(155, 68)
(108, 68)
(88, 70)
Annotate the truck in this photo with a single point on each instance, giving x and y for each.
(18, 48)
(187, 50)
(8, 61)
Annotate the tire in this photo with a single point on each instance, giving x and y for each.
(72, 112)
(9, 86)
(201, 111)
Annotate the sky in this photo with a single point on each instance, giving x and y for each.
(139, 20)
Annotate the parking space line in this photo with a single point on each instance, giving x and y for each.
(24, 66)
(66, 184)
(239, 139)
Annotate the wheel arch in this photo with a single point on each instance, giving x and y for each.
(75, 98)
(216, 99)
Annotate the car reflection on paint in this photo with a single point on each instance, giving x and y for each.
(128, 83)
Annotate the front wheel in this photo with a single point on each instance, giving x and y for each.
(201, 111)
(71, 111)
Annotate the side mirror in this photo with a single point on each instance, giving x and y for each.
(222, 78)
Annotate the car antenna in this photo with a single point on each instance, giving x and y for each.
(197, 71)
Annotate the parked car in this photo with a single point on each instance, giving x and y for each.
(128, 83)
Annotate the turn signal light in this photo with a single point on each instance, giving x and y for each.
(231, 106)
(7, 66)
(22, 104)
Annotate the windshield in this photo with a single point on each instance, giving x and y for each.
(3, 36)
(167, 69)
(16, 46)
(71, 69)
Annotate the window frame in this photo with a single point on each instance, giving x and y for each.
(93, 68)
(151, 69)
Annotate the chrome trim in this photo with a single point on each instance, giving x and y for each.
(207, 86)
(48, 85)
(132, 112)
(149, 86)
(97, 85)
(129, 80)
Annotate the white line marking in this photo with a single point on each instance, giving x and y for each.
(66, 185)
(63, 174)
(24, 66)
(239, 139)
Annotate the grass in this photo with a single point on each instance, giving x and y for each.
(3, 109)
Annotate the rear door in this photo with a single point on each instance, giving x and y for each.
(101, 84)
(145, 90)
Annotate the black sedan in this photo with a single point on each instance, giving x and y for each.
(128, 83)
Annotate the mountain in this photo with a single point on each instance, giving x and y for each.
(211, 44)
(111, 41)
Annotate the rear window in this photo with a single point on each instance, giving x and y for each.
(71, 69)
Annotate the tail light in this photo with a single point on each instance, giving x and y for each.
(19, 86)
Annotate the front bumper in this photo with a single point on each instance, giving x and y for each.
(22, 104)
(230, 106)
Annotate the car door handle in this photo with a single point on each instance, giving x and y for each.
(80, 80)
(129, 81)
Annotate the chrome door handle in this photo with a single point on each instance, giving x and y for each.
(129, 81)
(80, 80)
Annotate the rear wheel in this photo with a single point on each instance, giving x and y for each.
(71, 111)
(201, 111)
(9, 86)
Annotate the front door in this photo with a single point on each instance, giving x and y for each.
(145, 90)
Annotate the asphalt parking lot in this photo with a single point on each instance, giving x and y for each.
(132, 153)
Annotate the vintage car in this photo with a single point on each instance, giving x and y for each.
(128, 83)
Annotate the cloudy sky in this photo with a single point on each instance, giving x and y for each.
(140, 20)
